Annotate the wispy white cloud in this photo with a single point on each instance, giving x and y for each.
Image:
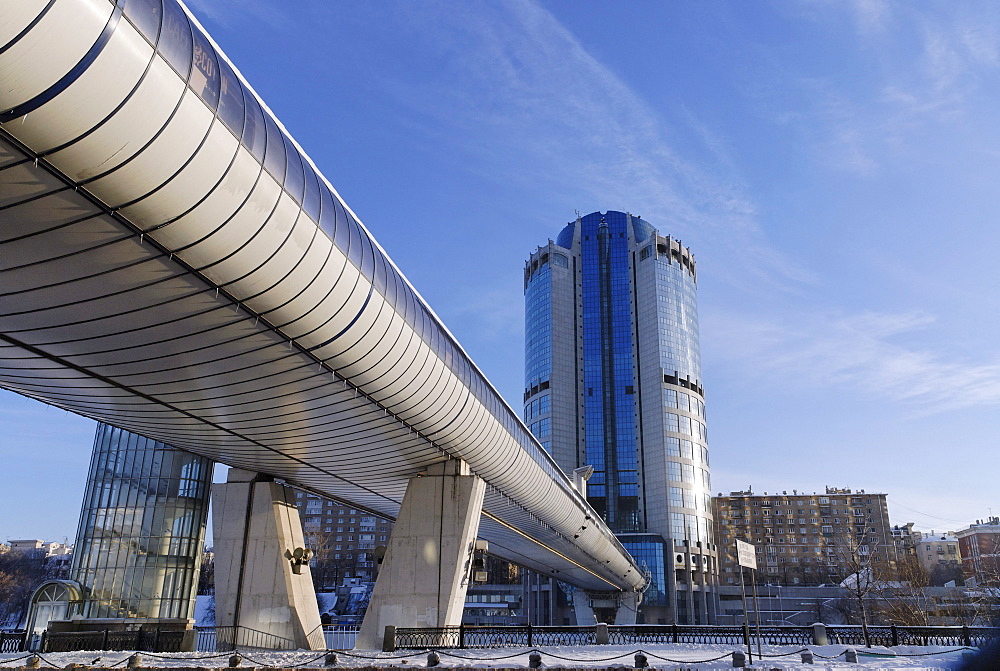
(867, 351)
(549, 115)
(912, 71)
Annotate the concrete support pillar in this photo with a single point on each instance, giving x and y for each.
(255, 522)
(585, 616)
(425, 572)
(628, 608)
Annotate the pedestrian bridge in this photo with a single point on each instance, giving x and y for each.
(173, 263)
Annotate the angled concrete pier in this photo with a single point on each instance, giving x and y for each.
(425, 573)
(255, 523)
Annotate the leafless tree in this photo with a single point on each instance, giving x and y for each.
(863, 566)
(325, 567)
(20, 574)
(903, 597)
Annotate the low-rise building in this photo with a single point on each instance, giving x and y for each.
(979, 546)
(57, 557)
(38, 545)
(905, 538)
(935, 550)
(803, 538)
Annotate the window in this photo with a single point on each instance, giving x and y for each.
(677, 525)
(673, 446)
(687, 449)
(674, 471)
(687, 472)
(672, 422)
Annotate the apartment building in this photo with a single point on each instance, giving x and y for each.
(979, 546)
(804, 538)
(342, 537)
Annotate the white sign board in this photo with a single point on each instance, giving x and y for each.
(746, 554)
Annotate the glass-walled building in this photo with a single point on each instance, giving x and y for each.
(142, 528)
(613, 381)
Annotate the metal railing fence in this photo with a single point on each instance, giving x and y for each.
(469, 636)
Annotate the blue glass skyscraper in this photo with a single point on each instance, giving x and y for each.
(613, 381)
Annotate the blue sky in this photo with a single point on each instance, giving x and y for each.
(832, 165)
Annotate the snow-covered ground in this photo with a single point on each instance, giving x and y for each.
(686, 656)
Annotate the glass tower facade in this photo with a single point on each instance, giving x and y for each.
(142, 528)
(613, 381)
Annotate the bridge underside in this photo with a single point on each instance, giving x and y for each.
(97, 319)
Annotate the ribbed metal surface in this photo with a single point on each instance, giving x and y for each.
(173, 264)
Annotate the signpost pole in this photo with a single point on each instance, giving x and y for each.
(746, 555)
(756, 608)
(746, 626)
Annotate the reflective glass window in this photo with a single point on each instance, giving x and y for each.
(231, 99)
(674, 471)
(156, 498)
(310, 202)
(254, 130)
(205, 75)
(677, 525)
(672, 422)
(294, 182)
(685, 425)
(145, 16)
(274, 158)
(687, 449)
(689, 499)
(175, 38)
(670, 398)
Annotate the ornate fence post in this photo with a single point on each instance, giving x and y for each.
(966, 638)
(531, 640)
(601, 635)
(673, 632)
(895, 634)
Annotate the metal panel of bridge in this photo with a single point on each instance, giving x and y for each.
(172, 263)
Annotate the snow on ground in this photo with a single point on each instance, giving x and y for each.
(686, 656)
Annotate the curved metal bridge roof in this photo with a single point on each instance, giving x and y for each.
(172, 263)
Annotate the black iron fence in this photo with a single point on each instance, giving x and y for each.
(12, 641)
(677, 633)
(468, 636)
(109, 639)
(894, 635)
(484, 636)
